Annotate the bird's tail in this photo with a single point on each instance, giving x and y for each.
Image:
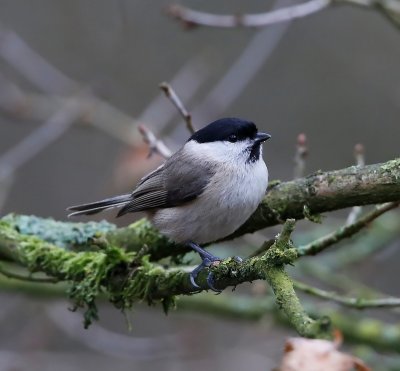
(96, 207)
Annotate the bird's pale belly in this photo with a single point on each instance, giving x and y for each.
(213, 216)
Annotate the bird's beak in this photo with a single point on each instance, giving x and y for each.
(262, 137)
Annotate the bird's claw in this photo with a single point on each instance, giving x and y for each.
(207, 262)
(192, 278)
(210, 283)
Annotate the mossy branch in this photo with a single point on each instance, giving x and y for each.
(347, 231)
(317, 193)
(98, 258)
(357, 303)
(286, 297)
(124, 280)
(326, 191)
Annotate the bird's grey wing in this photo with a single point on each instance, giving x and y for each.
(176, 182)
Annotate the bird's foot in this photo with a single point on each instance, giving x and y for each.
(207, 262)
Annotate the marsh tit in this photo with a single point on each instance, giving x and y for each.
(204, 192)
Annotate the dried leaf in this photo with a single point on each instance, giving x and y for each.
(303, 354)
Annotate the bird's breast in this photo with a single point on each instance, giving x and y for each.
(229, 199)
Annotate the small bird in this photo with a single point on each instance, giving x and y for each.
(203, 192)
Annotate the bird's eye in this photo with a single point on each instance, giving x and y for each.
(232, 138)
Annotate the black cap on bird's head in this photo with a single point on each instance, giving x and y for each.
(229, 129)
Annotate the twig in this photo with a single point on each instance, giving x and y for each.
(8, 274)
(191, 18)
(300, 157)
(155, 145)
(171, 94)
(359, 155)
(347, 231)
(358, 303)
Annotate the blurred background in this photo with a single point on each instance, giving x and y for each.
(76, 80)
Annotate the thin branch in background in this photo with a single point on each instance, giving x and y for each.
(358, 303)
(190, 18)
(39, 139)
(33, 66)
(187, 81)
(155, 145)
(29, 278)
(171, 94)
(359, 154)
(347, 231)
(300, 156)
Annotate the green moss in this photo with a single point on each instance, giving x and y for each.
(315, 218)
(273, 183)
(393, 169)
(142, 283)
(391, 165)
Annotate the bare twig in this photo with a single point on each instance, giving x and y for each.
(191, 18)
(347, 231)
(300, 157)
(358, 303)
(171, 94)
(155, 145)
(359, 155)
(187, 81)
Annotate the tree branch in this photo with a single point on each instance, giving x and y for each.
(358, 303)
(115, 260)
(190, 18)
(326, 191)
(171, 94)
(155, 145)
(347, 231)
(321, 192)
(110, 269)
(286, 297)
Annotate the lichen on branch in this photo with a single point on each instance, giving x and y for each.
(99, 259)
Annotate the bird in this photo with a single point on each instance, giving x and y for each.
(202, 193)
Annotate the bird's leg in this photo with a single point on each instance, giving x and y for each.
(207, 260)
